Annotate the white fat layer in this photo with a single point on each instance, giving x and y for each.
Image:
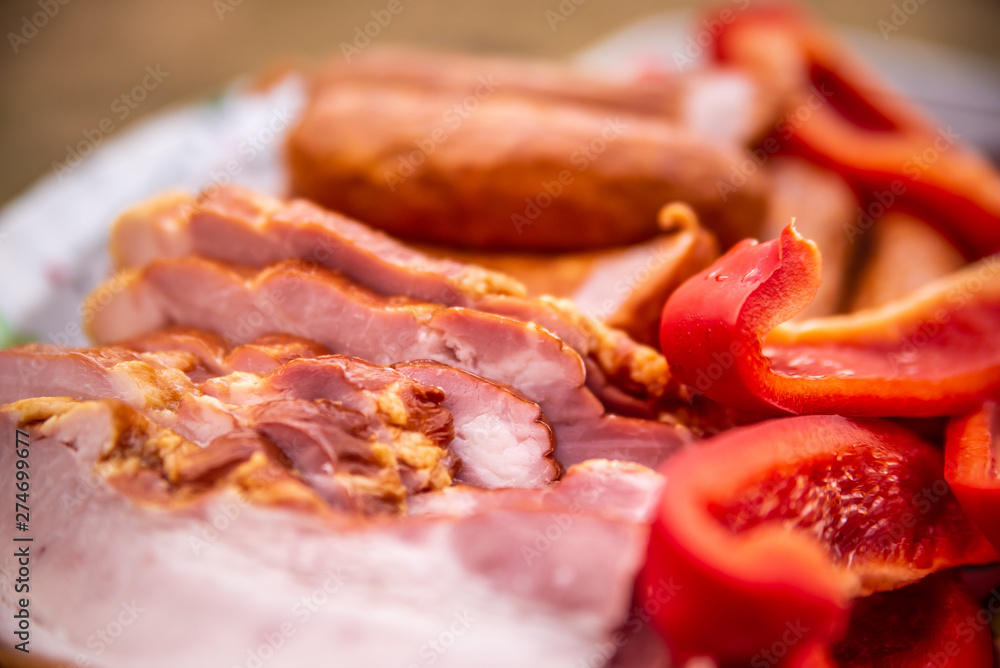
(497, 453)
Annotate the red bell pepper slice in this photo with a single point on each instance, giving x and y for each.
(971, 466)
(935, 622)
(842, 116)
(786, 521)
(931, 354)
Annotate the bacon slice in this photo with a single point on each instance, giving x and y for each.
(232, 224)
(262, 355)
(141, 380)
(502, 438)
(322, 306)
(313, 303)
(240, 227)
(623, 287)
(251, 551)
(364, 436)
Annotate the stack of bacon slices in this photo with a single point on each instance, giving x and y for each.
(298, 441)
(328, 385)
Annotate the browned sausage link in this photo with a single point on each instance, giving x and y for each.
(511, 169)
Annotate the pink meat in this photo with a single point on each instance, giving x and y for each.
(273, 573)
(141, 380)
(341, 315)
(325, 307)
(502, 437)
(234, 225)
(264, 354)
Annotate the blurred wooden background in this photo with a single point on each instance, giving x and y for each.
(60, 80)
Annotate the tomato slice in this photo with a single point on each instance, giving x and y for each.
(840, 116)
(771, 530)
(930, 354)
(971, 466)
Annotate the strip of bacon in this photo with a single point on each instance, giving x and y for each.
(344, 317)
(240, 227)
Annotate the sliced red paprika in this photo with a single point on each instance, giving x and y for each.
(935, 622)
(931, 354)
(971, 466)
(775, 527)
(842, 116)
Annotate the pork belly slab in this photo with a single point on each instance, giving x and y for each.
(216, 565)
(237, 226)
